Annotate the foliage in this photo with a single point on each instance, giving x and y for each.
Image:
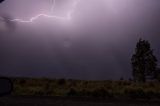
(98, 89)
(144, 63)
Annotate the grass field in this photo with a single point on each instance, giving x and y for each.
(69, 87)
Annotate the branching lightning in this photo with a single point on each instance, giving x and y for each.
(67, 17)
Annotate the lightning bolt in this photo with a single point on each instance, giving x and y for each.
(67, 17)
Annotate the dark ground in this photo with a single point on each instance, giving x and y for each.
(70, 101)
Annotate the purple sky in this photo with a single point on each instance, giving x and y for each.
(96, 43)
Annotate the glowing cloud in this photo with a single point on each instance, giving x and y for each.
(67, 17)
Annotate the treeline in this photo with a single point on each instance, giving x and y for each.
(99, 89)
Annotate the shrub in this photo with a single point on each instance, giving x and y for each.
(61, 82)
(72, 92)
(22, 81)
(136, 93)
(102, 92)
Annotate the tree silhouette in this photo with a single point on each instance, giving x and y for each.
(144, 63)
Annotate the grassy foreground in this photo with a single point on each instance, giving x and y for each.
(103, 89)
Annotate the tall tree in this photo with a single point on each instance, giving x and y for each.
(144, 63)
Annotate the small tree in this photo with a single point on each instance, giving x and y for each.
(144, 63)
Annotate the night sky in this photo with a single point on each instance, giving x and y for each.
(85, 39)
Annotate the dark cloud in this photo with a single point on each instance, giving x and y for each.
(1, 1)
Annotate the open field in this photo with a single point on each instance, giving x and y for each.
(98, 89)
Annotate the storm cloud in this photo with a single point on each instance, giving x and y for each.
(97, 43)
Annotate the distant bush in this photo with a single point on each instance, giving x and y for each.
(102, 92)
(22, 81)
(61, 82)
(72, 92)
(136, 93)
